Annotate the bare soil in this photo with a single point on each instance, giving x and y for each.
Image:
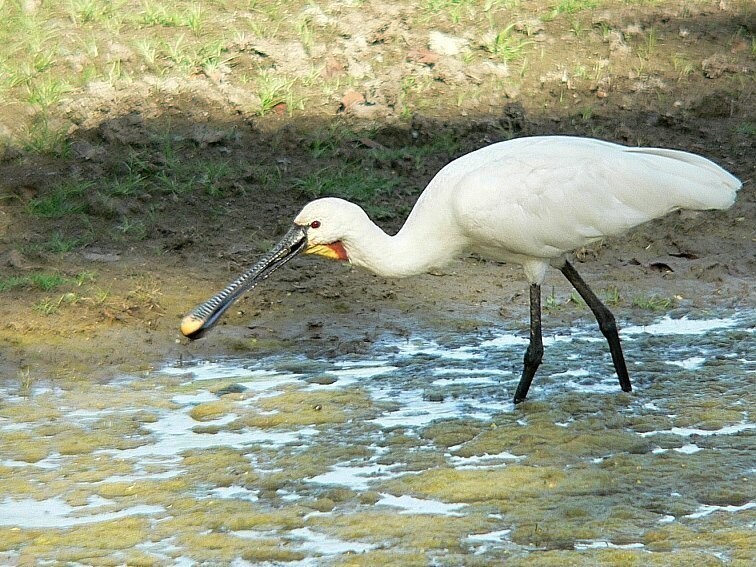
(151, 256)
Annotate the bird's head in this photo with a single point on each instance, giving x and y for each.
(323, 227)
(330, 224)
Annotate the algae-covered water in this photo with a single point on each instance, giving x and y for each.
(411, 454)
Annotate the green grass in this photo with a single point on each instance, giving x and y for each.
(135, 229)
(443, 143)
(507, 45)
(64, 199)
(40, 281)
(136, 177)
(747, 128)
(351, 182)
(42, 137)
(653, 302)
(91, 11)
(274, 90)
(551, 302)
(51, 54)
(611, 296)
(126, 185)
(159, 14)
(572, 6)
(59, 244)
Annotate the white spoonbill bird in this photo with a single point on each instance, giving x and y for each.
(529, 201)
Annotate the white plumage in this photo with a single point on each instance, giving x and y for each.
(530, 201)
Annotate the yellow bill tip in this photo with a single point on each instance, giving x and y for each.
(190, 325)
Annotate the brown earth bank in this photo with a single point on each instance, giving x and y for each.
(132, 260)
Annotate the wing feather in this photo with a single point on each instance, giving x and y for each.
(544, 196)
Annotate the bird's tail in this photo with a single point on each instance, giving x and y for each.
(706, 185)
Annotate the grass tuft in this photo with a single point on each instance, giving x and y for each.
(41, 281)
(64, 199)
(653, 302)
(507, 45)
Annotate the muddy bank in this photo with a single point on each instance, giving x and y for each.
(132, 196)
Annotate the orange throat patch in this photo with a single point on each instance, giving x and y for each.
(339, 250)
(333, 251)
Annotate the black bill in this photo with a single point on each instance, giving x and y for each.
(204, 316)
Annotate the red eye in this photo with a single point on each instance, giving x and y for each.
(315, 224)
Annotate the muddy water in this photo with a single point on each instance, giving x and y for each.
(411, 454)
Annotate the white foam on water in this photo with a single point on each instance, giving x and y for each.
(692, 363)
(683, 326)
(57, 513)
(411, 505)
(352, 375)
(257, 534)
(419, 346)
(470, 372)
(174, 434)
(309, 540)
(579, 373)
(483, 542)
(141, 476)
(505, 341)
(288, 496)
(362, 371)
(688, 449)
(235, 492)
(418, 412)
(466, 380)
(271, 383)
(688, 431)
(344, 364)
(706, 509)
(607, 386)
(357, 476)
(7, 425)
(601, 544)
(490, 537)
(509, 340)
(255, 380)
(200, 397)
(50, 462)
(208, 370)
(482, 461)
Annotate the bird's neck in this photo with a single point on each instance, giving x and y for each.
(415, 249)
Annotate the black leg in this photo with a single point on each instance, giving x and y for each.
(534, 353)
(606, 323)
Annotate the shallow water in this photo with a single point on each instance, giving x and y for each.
(411, 454)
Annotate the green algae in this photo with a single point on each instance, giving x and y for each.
(735, 542)
(295, 407)
(585, 477)
(483, 485)
(410, 531)
(211, 410)
(23, 445)
(145, 491)
(543, 441)
(220, 466)
(270, 551)
(451, 432)
(87, 541)
(381, 557)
